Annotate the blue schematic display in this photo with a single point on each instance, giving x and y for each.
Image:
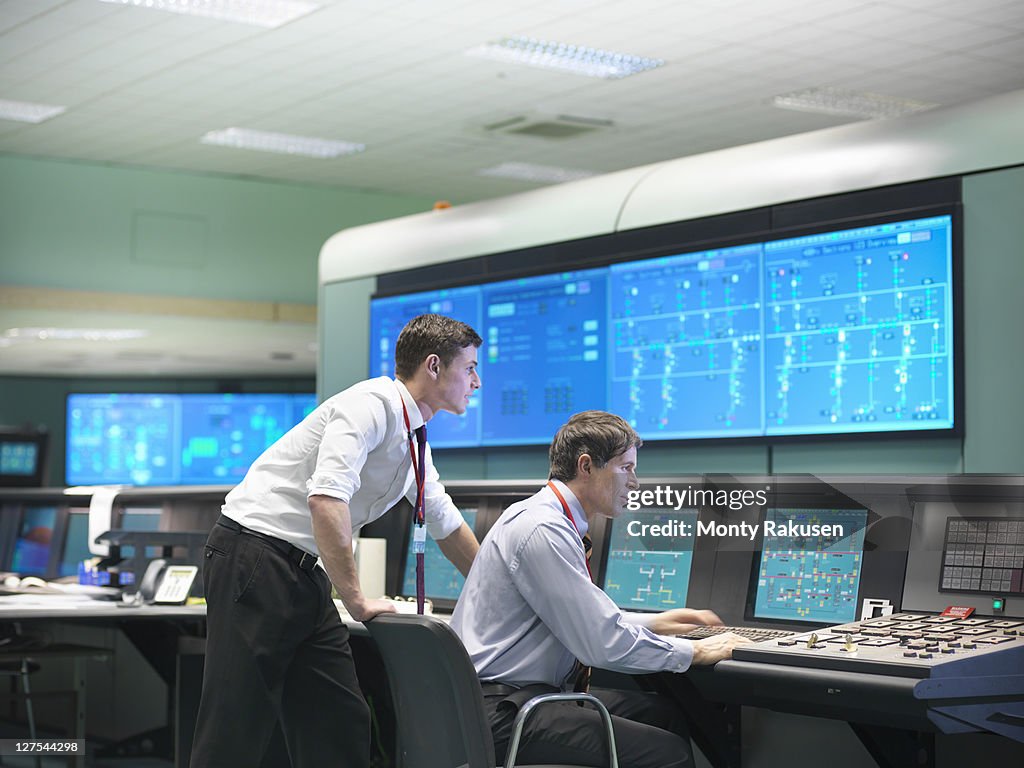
(859, 330)
(648, 572)
(544, 342)
(31, 554)
(441, 579)
(387, 318)
(18, 458)
(158, 439)
(686, 330)
(814, 579)
(832, 333)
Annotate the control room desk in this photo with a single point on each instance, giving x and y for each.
(156, 631)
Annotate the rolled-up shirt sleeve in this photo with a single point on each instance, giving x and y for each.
(352, 430)
(550, 573)
(440, 514)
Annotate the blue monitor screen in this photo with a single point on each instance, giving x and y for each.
(687, 330)
(648, 563)
(843, 331)
(76, 544)
(387, 319)
(808, 572)
(858, 331)
(18, 458)
(161, 439)
(441, 579)
(545, 346)
(35, 536)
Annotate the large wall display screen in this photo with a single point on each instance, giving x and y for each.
(170, 439)
(835, 332)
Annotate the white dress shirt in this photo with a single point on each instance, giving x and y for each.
(354, 447)
(529, 609)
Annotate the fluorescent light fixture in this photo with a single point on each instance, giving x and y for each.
(837, 101)
(575, 59)
(282, 143)
(260, 13)
(27, 112)
(73, 334)
(544, 174)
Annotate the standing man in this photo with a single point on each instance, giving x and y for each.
(276, 647)
(533, 621)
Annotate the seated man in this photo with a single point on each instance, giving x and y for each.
(531, 617)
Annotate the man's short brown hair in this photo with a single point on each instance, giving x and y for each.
(431, 335)
(600, 434)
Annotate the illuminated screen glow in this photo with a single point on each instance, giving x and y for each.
(161, 439)
(837, 332)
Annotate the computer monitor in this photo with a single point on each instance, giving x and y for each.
(174, 439)
(22, 458)
(34, 540)
(76, 543)
(649, 557)
(809, 566)
(442, 582)
(835, 329)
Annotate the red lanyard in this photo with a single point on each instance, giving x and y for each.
(568, 513)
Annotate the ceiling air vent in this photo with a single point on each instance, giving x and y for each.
(548, 126)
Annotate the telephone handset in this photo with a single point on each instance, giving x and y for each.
(163, 583)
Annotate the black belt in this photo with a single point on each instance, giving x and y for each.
(303, 559)
(497, 689)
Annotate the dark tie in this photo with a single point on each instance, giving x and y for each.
(421, 469)
(581, 673)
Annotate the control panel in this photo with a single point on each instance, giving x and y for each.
(906, 644)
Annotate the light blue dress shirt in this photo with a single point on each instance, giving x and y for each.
(529, 609)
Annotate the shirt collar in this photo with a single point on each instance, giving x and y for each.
(582, 524)
(415, 417)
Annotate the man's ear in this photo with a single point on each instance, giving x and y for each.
(433, 364)
(584, 464)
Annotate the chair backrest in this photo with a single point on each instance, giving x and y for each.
(439, 705)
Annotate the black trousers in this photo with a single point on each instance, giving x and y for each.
(276, 650)
(650, 731)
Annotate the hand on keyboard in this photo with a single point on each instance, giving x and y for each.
(679, 621)
(713, 649)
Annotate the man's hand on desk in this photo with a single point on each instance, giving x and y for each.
(713, 649)
(679, 621)
(367, 609)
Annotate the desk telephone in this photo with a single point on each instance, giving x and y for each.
(164, 583)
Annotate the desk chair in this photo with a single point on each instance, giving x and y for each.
(22, 669)
(439, 705)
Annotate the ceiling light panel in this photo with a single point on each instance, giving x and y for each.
(260, 13)
(838, 101)
(543, 174)
(281, 143)
(28, 112)
(573, 59)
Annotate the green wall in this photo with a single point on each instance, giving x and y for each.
(993, 325)
(131, 230)
(78, 226)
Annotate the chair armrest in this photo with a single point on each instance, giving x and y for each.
(527, 709)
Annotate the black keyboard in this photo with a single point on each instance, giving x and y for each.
(753, 633)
